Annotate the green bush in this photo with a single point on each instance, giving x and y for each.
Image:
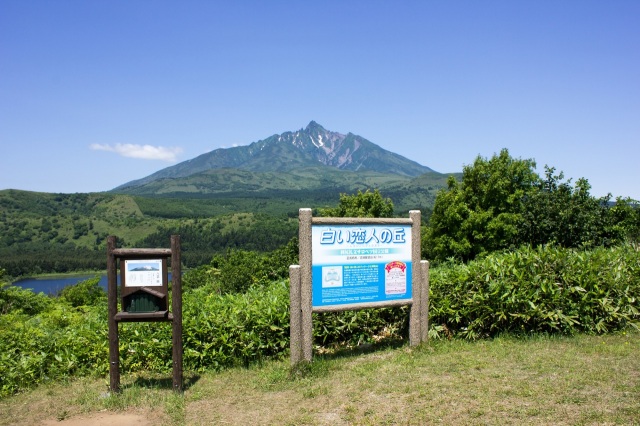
(238, 270)
(358, 327)
(541, 290)
(235, 329)
(54, 344)
(14, 298)
(84, 293)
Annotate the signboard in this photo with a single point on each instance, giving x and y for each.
(363, 263)
(143, 273)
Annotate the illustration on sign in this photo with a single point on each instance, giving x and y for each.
(395, 278)
(360, 264)
(143, 273)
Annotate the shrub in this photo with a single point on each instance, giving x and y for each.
(358, 327)
(54, 344)
(84, 293)
(13, 298)
(238, 270)
(541, 290)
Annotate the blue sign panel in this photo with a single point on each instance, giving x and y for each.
(354, 264)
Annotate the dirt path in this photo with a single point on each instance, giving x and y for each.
(102, 419)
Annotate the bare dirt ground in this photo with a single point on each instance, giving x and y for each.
(102, 419)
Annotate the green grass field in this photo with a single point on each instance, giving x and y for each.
(581, 380)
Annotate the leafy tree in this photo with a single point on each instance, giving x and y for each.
(624, 221)
(362, 204)
(483, 212)
(502, 203)
(238, 270)
(555, 212)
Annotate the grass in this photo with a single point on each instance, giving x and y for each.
(581, 380)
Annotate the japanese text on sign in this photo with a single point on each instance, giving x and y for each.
(360, 264)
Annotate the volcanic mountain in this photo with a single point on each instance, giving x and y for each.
(312, 148)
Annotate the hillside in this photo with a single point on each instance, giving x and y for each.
(44, 233)
(243, 197)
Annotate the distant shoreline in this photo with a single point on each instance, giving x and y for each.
(50, 276)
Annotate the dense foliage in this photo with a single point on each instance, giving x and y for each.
(501, 203)
(85, 293)
(60, 233)
(47, 233)
(202, 240)
(237, 270)
(362, 204)
(538, 290)
(15, 299)
(546, 289)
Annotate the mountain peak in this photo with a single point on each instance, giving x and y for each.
(314, 127)
(313, 146)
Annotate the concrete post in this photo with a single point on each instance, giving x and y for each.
(306, 320)
(295, 314)
(416, 283)
(424, 299)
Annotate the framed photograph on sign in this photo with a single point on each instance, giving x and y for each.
(143, 273)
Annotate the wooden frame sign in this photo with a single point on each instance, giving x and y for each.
(144, 297)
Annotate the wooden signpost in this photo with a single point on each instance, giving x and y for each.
(144, 298)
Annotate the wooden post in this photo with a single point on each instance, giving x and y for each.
(112, 293)
(176, 308)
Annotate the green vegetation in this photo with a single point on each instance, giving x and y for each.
(84, 293)
(542, 290)
(61, 233)
(541, 380)
(502, 203)
(229, 322)
(514, 256)
(362, 204)
(58, 233)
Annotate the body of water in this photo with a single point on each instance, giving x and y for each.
(54, 285)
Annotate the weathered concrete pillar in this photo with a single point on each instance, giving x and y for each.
(295, 313)
(306, 319)
(424, 299)
(416, 283)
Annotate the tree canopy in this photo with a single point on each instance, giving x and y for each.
(503, 203)
(481, 213)
(362, 204)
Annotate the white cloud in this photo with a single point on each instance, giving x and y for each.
(145, 152)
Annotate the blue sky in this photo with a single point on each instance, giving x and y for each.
(96, 93)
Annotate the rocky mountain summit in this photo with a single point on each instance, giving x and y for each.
(311, 147)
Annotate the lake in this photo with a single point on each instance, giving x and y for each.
(54, 285)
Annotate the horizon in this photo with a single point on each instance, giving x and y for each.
(95, 95)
